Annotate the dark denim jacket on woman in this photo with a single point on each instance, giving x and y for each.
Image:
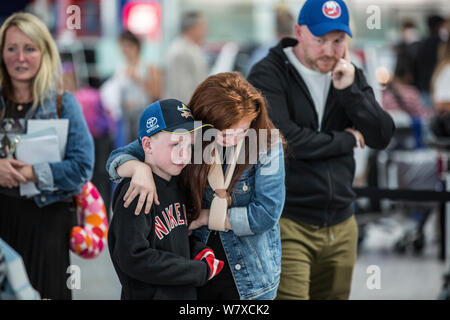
(63, 179)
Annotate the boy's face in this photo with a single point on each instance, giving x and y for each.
(168, 153)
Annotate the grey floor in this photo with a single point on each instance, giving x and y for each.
(400, 276)
(405, 277)
(98, 278)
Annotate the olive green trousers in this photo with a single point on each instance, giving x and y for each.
(317, 263)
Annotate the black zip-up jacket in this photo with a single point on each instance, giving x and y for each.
(320, 164)
(152, 253)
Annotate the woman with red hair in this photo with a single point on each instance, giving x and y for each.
(236, 192)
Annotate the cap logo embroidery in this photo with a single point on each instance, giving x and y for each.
(152, 124)
(185, 111)
(331, 9)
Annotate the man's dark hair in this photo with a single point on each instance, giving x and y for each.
(408, 24)
(189, 19)
(129, 36)
(434, 23)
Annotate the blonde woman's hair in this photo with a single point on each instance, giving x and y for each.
(48, 79)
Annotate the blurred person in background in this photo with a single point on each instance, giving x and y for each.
(441, 80)
(441, 92)
(38, 228)
(140, 84)
(134, 86)
(324, 107)
(408, 46)
(403, 102)
(100, 124)
(427, 56)
(186, 64)
(401, 95)
(284, 28)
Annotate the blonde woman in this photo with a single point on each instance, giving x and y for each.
(38, 228)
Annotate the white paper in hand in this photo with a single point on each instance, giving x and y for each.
(61, 126)
(37, 149)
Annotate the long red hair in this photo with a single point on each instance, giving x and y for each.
(223, 100)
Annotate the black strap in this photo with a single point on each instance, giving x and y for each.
(402, 194)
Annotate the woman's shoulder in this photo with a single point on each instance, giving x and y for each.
(271, 159)
(62, 103)
(66, 95)
(68, 100)
(53, 96)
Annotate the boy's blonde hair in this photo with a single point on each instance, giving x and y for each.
(48, 78)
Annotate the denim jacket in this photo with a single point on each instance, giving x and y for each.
(61, 180)
(253, 246)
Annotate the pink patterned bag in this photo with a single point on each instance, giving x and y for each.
(89, 239)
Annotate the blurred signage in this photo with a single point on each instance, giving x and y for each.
(143, 18)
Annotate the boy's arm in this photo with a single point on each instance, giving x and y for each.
(142, 185)
(132, 151)
(128, 162)
(134, 255)
(196, 246)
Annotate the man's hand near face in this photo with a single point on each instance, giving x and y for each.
(343, 72)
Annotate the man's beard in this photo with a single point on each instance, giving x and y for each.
(331, 61)
(314, 63)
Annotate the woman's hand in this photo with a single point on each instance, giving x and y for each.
(142, 184)
(28, 172)
(10, 175)
(201, 221)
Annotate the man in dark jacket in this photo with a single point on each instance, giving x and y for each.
(324, 108)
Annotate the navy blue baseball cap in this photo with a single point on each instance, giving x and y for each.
(167, 115)
(323, 16)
